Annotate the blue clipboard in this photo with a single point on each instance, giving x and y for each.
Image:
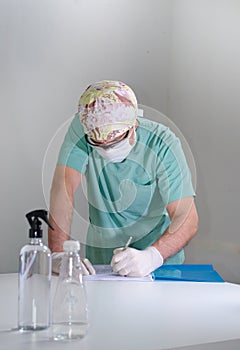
(187, 272)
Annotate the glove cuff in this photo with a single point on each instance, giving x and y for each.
(56, 255)
(56, 261)
(157, 259)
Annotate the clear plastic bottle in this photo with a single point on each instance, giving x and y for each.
(34, 294)
(70, 314)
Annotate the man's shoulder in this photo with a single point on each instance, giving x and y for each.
(155, 128)
(77, 126)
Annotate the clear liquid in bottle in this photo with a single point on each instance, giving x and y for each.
(34, 286)
(70, 314)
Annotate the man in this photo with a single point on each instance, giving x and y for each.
(138, 185)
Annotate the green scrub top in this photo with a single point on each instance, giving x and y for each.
(129, 198)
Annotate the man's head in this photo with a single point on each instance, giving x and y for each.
(107, 110)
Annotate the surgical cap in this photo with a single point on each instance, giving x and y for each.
(105, 107)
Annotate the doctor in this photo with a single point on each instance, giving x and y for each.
(138, 184)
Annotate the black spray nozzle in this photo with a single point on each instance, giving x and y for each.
(36, 225)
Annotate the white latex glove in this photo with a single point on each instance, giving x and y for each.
(134, 262)
(87, 267)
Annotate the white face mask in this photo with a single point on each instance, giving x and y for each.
(118, 152)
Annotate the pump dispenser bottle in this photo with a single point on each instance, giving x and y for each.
(34, 277)
(70, 319)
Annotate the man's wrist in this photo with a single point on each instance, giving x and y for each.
(156, 256)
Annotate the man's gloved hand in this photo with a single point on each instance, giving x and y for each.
(134, 262)
(87, 267)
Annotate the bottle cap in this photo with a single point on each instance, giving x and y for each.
(71, 246)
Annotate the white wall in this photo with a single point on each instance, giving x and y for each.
(180, 56)
(204, 101)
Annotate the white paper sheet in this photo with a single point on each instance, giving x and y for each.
(105, 273)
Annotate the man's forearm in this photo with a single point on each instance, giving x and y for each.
(61, 210)
(178, 234)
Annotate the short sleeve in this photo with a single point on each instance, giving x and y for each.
(74, 151)
(173, 174)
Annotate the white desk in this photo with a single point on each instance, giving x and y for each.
(138, 315)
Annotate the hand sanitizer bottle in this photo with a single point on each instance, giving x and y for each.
(34, 277)
(70, 318)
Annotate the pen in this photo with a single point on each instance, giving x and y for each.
(128, 242)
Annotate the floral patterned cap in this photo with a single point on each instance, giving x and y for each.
(107, 108)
